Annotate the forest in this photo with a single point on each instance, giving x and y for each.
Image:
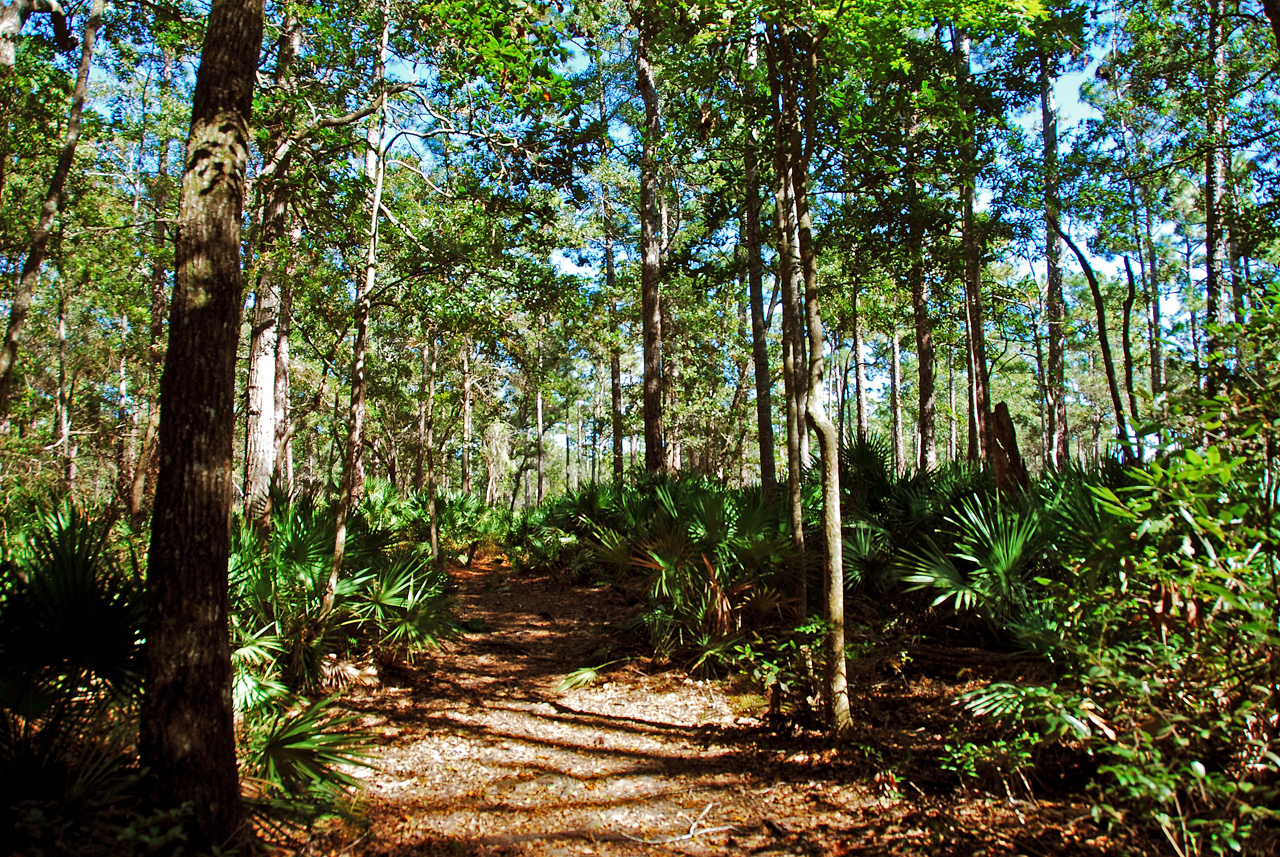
(792, 355)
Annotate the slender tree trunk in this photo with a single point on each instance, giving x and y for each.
(835, 685)
(352, 487)
(972, 249)
(895, 403)
(860, 367)
(25, 289)
(265, 329)
(430, 357)
(759, 330)
(1214, 189)
(466, 416)
(1155, 333)
(928, 401)
(187, 738)
(64, 403)
(791, 280)
(542, 485)
(655, 456)
(1055, 303)
(1126, 351)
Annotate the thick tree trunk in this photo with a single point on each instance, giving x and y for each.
(187, 739)
(1055, 303)
(25, 289)
(284, 413)
(655, 455)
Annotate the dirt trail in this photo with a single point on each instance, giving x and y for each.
(483, 751)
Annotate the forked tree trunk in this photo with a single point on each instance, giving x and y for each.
(25, 289)
(187, 738)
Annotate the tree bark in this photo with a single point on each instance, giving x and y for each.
(467, 430)
(759, 330)
(1214, 190)
(187, 736)
(264, 333)
(791, 280)
(895, 403)
(972, 248)
(655, 456)
(1055, 303)
(926, 425)
(25, 290)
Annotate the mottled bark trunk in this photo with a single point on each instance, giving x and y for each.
(187, 739)
(25, 289)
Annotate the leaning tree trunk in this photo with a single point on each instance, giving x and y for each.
(53, 202)
(1104, 341)
(835, 685)
(187, 739)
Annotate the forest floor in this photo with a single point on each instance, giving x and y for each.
(483, 750)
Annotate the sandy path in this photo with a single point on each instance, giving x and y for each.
(484, 752)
